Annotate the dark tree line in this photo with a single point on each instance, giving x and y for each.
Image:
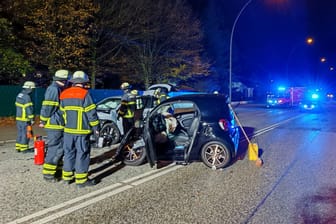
(141, 41)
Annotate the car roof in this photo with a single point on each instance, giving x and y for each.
(199, 97)
(169, 87)
(212, 106)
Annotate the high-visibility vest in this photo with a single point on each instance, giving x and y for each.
(24, 107)
(79, 111)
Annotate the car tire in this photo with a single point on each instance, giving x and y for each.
(216, 154)
(110, 134)
(134, 156)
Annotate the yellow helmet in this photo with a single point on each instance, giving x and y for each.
(29, 85)
(125, 85)
(134, 92)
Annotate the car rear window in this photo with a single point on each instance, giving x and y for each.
(214, 109)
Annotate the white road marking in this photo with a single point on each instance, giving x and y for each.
(96, 196)
(114, 189)
(271, 127)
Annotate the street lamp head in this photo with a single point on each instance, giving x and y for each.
(309, 40)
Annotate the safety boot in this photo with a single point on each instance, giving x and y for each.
(67, 182)
(88, 183)
(49, 178)
(27, 151)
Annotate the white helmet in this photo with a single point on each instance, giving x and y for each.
(61, 75)
(125, 85)
(79, 77)
(29, 85)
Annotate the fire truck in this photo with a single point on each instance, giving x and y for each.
(286, 97)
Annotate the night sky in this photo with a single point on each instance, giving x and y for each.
(269, 39)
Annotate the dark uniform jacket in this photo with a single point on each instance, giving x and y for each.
(79, 111)
(128, 105)
(24, 106)
(51, 115)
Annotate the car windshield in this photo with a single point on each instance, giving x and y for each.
(108, 104)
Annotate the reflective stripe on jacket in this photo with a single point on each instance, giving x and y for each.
(79, 111)
(128, 105)
(162, 97)
(24, 107)
(50, 111)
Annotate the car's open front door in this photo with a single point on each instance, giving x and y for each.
(150, 151)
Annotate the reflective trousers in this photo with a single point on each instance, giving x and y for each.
(54, 155)
(76, 157)
(22, 142)
(127, 123)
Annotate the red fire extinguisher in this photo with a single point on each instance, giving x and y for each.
(39, 146)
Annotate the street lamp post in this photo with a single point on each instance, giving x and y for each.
(230, 54)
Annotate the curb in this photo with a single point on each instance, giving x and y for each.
(13, 141)
(7, 141)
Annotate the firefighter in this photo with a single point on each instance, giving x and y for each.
(161, 95)
(138, 102)
(24, 116)
(81, 119)
(52, 120)
(127, 107)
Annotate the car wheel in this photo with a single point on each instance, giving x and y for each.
(110, 134)
(216, 154)
(134, 152)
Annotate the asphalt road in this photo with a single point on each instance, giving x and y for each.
(296, 184)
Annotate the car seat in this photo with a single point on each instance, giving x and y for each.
(183, 140)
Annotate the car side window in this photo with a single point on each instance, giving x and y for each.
(184, 107)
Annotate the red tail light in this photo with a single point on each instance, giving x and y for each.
(224, 124)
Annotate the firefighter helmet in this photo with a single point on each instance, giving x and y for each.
(125, 85)
(29, 85)
(157, 92)
(61, 75)
(134, 92)
(79, 77)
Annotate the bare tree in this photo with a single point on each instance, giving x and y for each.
(151, 40)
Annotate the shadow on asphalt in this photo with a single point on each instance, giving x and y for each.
(102, 157)
(107, 168)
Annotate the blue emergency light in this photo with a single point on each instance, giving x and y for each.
(314, 96)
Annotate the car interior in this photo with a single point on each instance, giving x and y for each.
(173, 127)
